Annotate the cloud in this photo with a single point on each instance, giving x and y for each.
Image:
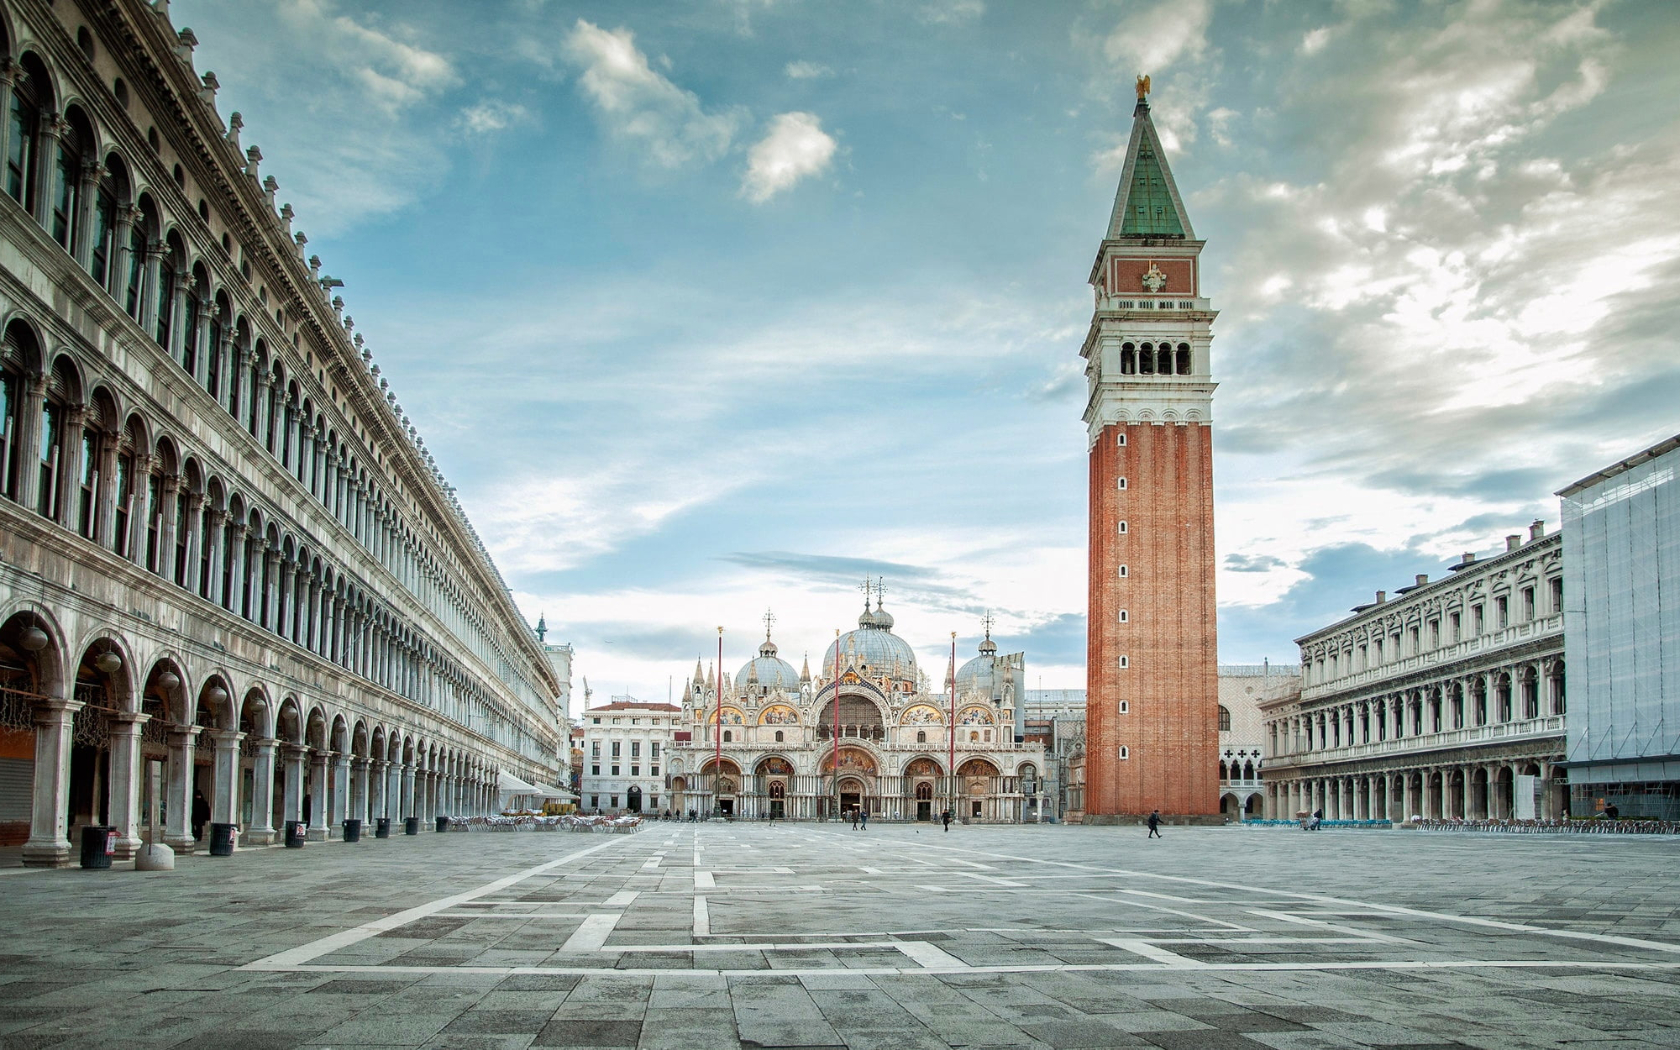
(492, 115)
(640, 105)
(803, 70)
(1153, 38)
(1252, 563)
(392, 72)
(794, 148)
(951, 12)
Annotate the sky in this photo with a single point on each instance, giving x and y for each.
(719, 307)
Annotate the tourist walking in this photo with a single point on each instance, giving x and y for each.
(854, 818)
(1154, 824)
(865, 819)
(946, 818)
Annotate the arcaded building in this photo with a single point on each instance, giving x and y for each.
(228, 566)
(1444, 700)
(866, 731)
(1152, 692)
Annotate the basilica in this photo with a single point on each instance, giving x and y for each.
(863, 733)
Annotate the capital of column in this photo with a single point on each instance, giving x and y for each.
(55, 711)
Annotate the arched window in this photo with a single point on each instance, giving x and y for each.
(24, 124)
(67, 184)
(1164, 360)
(1183, 359)
(1128, 359)
(921, 736)
(173, 260)
(728, 736)
(1146, 359)
(128, 455)
(779, 736)
(139, 239)
(102, 238)
(1224, 719)
(55, 443)
(18, 357)
(197, 285)
(213, 350)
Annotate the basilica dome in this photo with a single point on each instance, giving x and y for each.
(767, 670)
(979, 675)
(873, 649)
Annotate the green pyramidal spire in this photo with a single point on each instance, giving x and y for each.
(1147, 204)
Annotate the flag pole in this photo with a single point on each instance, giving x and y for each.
(717, 734)
(951, 757)
(835, 723)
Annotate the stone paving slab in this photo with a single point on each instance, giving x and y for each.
(687, 936)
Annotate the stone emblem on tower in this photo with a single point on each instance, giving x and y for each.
(1151, 655)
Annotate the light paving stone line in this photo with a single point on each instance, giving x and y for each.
(334, 942)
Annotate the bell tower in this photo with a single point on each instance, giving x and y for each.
(1152, 727)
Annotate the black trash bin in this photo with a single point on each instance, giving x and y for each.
(382, 828)
(98, 842)
(221, 840)
(411, 825)
(443, 823)
(296, 832)
(352, 831)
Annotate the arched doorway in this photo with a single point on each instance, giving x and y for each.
(854, 781)
(633, 799)
(923, 773)
(979, 780)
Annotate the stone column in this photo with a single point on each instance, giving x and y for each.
(261, 831)
(313, 641)
(81, 223)
(69, 485)
(46, 166)
(125, 781)
(224, 792)
(193, 570)
(48, 845)
(167, 517)
(8, 77)
(105, 489)
(340, 791)
(408, 800)
(392, 796)
(177, 830)
(318, 815)
(218, 529)
(358, 789)
(264, 405)
(297, 757)
(288, 599)
(28, 456)
(377, 782)
(234, 598)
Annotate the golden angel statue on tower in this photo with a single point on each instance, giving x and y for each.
(1142, 85)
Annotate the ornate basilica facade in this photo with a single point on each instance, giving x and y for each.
(865, 731)
(228, 566)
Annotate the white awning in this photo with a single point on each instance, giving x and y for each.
(558, 792)
(512, 785)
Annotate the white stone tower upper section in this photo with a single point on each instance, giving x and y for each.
(1147, 352)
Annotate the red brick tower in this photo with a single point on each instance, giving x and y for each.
(1152, 727)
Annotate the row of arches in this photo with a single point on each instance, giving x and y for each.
(113, 734)
(1485, 789)
(106, 473)
(115, 221)
(795, 786)
(1152, 359)
(1531, 692)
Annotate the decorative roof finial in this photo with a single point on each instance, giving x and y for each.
(769, 618)
(987, 621)
(1143, 86)
(880, 589)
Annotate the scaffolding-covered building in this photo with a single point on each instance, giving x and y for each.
(1621, 555)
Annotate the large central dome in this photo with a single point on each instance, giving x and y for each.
(872, 650)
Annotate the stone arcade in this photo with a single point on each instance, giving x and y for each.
(223, 548)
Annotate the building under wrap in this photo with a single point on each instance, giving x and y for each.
(1621, 537)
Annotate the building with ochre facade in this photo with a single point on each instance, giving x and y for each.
(1151, 737)
(865, 731)
(234, 588)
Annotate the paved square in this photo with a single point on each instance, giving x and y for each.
(698, 936)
